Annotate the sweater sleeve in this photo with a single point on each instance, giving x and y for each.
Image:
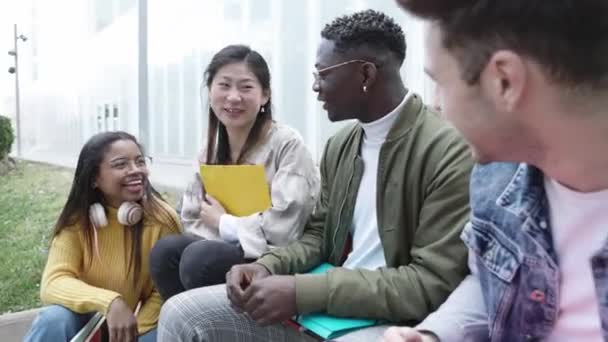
(60, 283)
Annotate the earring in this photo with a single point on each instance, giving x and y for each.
(262, 109)
(365, 89)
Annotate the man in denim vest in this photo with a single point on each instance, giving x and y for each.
(526, 82)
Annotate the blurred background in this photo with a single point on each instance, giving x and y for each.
(87, 66)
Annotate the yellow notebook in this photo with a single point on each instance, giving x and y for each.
(241, 189)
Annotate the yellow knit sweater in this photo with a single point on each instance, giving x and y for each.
(69, 280)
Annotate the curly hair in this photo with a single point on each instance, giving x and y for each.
(569, 38)
(368, 27)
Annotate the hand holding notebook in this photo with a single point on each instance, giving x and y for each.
(241, 189)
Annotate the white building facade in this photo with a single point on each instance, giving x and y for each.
(137, 65)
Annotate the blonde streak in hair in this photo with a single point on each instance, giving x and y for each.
(155, 209)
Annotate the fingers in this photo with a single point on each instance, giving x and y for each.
(215, 203)
(234, 289)
(205, 211)
(124, 333)
(261, 316)
(264, 313)
(205, 206)
(133, 333)
(260, 272)
(116, 334)
(251, 299)
(112, 333)
(211, 200)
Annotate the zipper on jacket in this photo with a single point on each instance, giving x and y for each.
(352, 175)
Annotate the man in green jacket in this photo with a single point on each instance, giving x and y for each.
(394, 199)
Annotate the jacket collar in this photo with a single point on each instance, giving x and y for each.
(404, 122)
(524, 193)
(406, 119)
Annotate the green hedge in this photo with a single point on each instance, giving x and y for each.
(6, 136)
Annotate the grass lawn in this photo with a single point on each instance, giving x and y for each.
(30, 200)
(31, 197)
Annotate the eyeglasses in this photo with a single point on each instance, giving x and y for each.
(123, 163)
(317, 73)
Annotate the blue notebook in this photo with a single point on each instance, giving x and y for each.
(327, 326)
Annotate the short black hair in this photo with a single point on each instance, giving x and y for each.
(368, 27)
(568, 38)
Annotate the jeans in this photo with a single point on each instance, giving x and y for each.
(57, 323)
(183, 262)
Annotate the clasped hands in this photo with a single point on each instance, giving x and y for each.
(266, 298)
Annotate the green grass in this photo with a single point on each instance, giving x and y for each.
(31, 197)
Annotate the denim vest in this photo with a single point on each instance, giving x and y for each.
(510, 237)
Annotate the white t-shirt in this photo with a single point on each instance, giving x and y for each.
(367, 249)
(579, 224)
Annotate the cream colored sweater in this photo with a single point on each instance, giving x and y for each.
(294, 181)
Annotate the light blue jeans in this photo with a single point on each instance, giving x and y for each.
(56, 323)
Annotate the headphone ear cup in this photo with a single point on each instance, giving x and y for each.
(97, 215)
(130, 213)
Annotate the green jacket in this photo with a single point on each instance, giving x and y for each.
(422, 206)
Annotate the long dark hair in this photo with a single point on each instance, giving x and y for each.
(218, 147)
(82, 195)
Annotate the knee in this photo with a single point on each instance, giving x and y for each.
(197, 315)
(164, 252)
(53, 323)
(171, 321)
(206, 262)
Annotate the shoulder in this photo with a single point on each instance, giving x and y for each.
(162, 215)
(71, 235)
(345, 133)
(434, 144)
(432, 129)
(281, 134)
(288, 149)
(345, 136)
(283, 140)
(168, 208)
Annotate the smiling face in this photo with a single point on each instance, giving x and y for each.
(123, 173)
(339, 89)
(236, 96)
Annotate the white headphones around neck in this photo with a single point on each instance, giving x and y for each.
(129, 214)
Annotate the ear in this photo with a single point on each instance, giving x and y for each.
(370, 73)
(504, 79)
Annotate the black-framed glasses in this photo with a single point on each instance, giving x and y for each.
(317, 73)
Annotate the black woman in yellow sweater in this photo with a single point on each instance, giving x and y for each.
(98, 259)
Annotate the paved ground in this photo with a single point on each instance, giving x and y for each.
(14, 326)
